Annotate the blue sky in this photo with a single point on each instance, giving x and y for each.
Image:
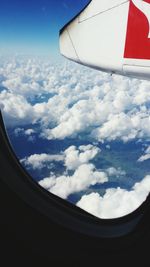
(32, 27)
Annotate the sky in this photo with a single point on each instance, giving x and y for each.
(32, 27)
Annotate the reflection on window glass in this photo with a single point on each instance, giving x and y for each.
(82, 134)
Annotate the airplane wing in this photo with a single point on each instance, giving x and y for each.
(112, 36)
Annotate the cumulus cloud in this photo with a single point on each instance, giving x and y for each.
(68, 100)
(75, 157)
(84, 176)
(18, 131)
(21, 131)
(116, 202)
(39, 161)
(16, 110)
(124, 127)
(29, 131)
(72, 157)
(115, 172)
(108, 112)
(146, 156)
(85, 173)
(147, 150)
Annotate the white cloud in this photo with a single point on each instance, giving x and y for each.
(72, 157)
(116, 202)
(106, 112)
(85, 173)
(19, 131)
(143, 95)
(39, 161)
(147, 150)
(75, 157)
(84, 176)
(16, 109)
(115, 172)
(29, 131)
(124, 127)
(76, 100)
(146, 156)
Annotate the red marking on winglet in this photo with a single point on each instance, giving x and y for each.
(137, 42)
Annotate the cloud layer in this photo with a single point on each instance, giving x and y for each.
(60, 101)
(87, 101)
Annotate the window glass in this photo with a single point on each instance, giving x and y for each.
(82, 134)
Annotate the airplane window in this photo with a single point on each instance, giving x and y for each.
(83, 134)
